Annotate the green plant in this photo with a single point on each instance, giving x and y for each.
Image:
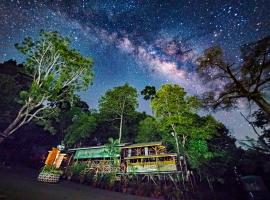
(89, 177)
(77, 168)
(110, 179)
(118, 103)
(58, 72)
(51, 170)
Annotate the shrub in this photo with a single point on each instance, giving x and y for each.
(77, 168)
(51, 169)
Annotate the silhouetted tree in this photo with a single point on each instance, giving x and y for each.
(149, 92)
(248, 79)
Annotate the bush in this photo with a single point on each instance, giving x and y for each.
(51, 170)
(89, 176)
(77, 169)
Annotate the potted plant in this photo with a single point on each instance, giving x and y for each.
(50, 174)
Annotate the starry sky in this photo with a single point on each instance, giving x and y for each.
(142, 42)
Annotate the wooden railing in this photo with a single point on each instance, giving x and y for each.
(167, 162)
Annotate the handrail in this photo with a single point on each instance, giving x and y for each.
(168, 162)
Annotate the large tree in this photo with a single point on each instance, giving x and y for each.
(148, 130)
(13, 79)
(177, 114)
(261, 127)
(119, 103)
(83, 125)
(148, 92)
(57, 72)
(247, 79)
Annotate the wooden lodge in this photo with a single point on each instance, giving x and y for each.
(148, 157)
(97, 158)
(136, 158)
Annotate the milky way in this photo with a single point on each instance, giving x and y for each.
(142, 42)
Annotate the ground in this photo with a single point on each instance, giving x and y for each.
(21, 184)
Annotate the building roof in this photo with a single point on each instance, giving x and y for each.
(152, 156)
(146, 144)
(100, 152)
(94, 147)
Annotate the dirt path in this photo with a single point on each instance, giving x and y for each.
(22, 185)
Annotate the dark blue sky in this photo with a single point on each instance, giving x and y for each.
(141, 42)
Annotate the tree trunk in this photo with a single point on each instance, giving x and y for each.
(184, 155)
(263, 104)
(120, 128)
(178, 151)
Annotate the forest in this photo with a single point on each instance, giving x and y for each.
(41, 108)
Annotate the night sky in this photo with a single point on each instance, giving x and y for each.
(142, 42)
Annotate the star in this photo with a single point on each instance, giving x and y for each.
(140, 42)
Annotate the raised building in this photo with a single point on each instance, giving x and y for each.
(137, 158)
(148, 157)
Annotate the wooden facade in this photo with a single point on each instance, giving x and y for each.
(148, 157)
(96, 158)
(142, 157)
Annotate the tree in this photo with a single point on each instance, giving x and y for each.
(262, 122)
(177, 113)
(57, 71)
(118, 103)
(148, 130)
(112, 148)
(131, 126)
(63, 119)
(149, 92)
(198, 153)
(219, 173)
(262, 143)
(13, 79)
(83, 124)
(248, 79)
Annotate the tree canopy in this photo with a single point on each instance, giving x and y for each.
(230, 82)
(149, 92)
(148, 130)
(118, 103)
(177, 115)
(57, 72)
(83, 124)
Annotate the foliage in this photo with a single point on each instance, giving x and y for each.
(57, 72)
(177, 114)
(104, 130)
(198, 153)
(12, 80)
(112, 148)
(230, 82)
(77, 168)
(148, 131)
(118, 103)
(9, 91)
(83, 124)
(262, 142)
(221, 167)
(171, 101)
(149, 92)
(52, 170)
(131, 126)
(262, 121)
